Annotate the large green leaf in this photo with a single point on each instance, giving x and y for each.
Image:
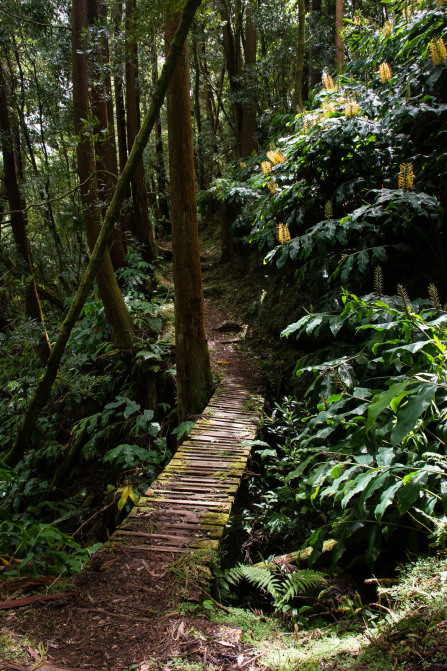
(408, 416)
(379, 403)
(386, 499)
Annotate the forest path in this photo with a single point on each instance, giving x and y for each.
(125, 609)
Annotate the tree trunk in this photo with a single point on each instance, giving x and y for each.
(315, 73)
(162, 186)
(198, 115)
(194, 379)
(115, 308)
(298, 97)
(104, 127)
(140, 223)
(232, 59)
(339, 55)
(249, 143)
(18, 217)
(45, 384)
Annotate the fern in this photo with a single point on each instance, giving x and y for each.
(297, 583)
(269, 578)
(261, 577)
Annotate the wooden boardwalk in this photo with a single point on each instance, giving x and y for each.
(188, 506)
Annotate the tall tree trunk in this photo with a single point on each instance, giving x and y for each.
(104, 128)
(315, 73)
(140, 223)
(198, 114)
(249, 143)
(18, 217)
(115, 308)
(45, 384)
(300, 52)
(162, 193)
(339, 54)
(194, 379)
(232, 59)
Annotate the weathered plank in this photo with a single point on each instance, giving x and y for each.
(187, 508)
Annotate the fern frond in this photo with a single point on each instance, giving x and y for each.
(261, 577)
(299, 582)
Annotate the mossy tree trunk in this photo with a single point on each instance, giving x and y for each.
(114, 305)
(43, 389)
(194, 379)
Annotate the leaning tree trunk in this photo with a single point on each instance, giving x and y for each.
(18, 218)
(114, 305)
(45, 384)
(194, 379)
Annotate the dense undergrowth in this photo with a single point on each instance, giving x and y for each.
(102, 438)
(350, 196)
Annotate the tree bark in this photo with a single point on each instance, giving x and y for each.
(140, 223)
(162, 186)
(194, 379)
(18, 218)
(249, 144)
(232, 59)
(45, 384)
(114, 306)
(315, 73)
(298, 97)
(198, 115)
(339, 54)
(104, 128)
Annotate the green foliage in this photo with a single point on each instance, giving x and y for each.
(366, 452)
(38, 548)
(353, 163)
(270, 579)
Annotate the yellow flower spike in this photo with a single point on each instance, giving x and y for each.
(328, 211)
(406, 176)
(242, 165)
(280, 231)
(440, 2)
(328, 108)
(273, 188)
(266, 167)
(328, 82)
(276, 157)
(384, 72)
(351, 109)
(438, 51)
(387, 29)
(283, 233)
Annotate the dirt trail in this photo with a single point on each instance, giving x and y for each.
(125, 609)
